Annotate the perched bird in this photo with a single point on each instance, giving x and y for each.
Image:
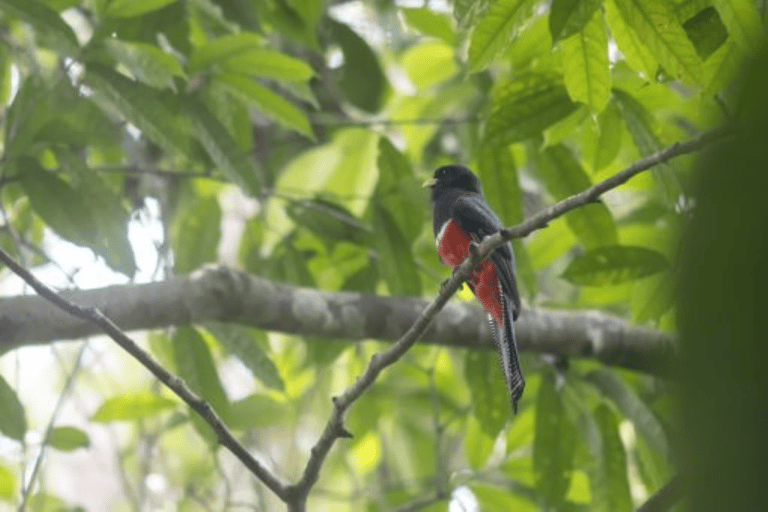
(461, 216)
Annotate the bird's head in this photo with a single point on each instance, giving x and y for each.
(453, 177)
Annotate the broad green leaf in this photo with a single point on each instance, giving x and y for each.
(615, 264)
(140, 105)
(722, 67)
(478, 445)
(501, 499)
(13, 421)
(133, 8)
(638, 121)
(498, 173)
(330, 221)
(398, 190)
(742, 21)
(527, 107)
(196, 366)
(257, 411)
(610, 486)
(706, 32)
(563, 177)
(430, 23)
(611, 133)
(496, 29)
(662, 34)
(67, 439)
(237, 165)
(429, 63)
(7, 483)
(148, 63)
(363, 80)
(247, 53)
(554, 445)
(46, 21)
(490, 399)
(108, 213)
(343, 169)
(652, 297)
(585, 64)
(132, 406)
(271, 104)
(630, 43)
(395, 259)
(466, 12)
(246, 344)
(632, 407)
(26, 116)
(57, 203)
(567, 17)
(196, 233)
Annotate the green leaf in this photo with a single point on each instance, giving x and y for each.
(567, 17)
(585, 64)
(499, 499)
(46, 21)
(274, 106)
(140, 105)
(554, 445)
(331, 222)
(195, 365)
(563, 177)
(26, 116)
(148, 63)
(706, 32)
(57, 203)
(630, 43)
(613, 265)
(478, 445)
(7, 483)
(429, 64)
(132, 406)
(662, 34)
(611, 133)
(465, 12)
(742, 21)
(722, 67)
(498, 173)
(363, 80)
(610, 486)
(133, 8)
(398, 190)
(67, 439)
(13, 421)
(430, 23)
(632, 407)
(197, 231)
(490, 399)
(496, 29)
(246, 344)
(219, 143)
(257, 411)
(246, 53)
(395, 259)
(652, 297)
(106, 209)
(638, 121)
(527, 106)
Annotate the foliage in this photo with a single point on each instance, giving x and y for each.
(327, 116)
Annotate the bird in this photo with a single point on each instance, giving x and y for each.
(462, 218)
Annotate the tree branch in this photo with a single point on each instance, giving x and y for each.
(95, 316)
(225, 295)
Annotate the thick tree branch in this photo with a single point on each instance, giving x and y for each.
(96, 317)
(226, 295)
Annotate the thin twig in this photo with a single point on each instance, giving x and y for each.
(334, 428)
(176, 384)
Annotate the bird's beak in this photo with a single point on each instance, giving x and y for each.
(429, 183)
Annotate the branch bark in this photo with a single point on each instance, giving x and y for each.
(226, 295)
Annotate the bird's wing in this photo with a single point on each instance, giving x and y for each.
(474, 215)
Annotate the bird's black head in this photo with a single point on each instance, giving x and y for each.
(453, 177)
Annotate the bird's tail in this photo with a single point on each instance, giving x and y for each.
(506, 344)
